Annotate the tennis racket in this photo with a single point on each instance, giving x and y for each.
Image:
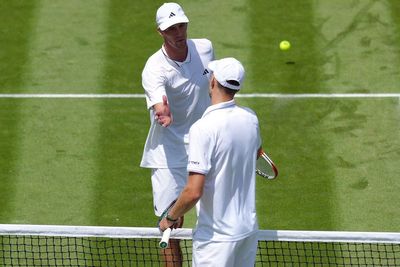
(265, 167)
(167, 233)
(165, 238)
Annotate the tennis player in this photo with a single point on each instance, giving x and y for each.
(223, 148)
(175, 80)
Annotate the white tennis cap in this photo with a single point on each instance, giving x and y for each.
(170, 14)
(227, 70)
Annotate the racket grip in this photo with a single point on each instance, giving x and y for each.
(165, 238)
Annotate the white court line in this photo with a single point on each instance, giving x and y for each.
(377, 95)
(71, 95)
(371, 95)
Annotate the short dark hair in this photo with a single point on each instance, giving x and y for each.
(229, 91)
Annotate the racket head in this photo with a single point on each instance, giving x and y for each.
(265, 167)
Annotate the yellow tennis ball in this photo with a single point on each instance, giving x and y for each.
(284, 45)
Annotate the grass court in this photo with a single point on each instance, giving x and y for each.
(329, 108)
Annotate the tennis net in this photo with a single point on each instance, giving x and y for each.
(46, 245)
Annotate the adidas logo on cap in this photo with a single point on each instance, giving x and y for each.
(170, 14)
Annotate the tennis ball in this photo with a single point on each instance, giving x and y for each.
(284, 45)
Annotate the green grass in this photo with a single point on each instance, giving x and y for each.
(76, 161)
(300, 153)
(15, 29)
(123, 189)
(337, 164)
(292, 71)
(132, 37)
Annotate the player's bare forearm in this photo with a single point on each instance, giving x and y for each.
(187, 199)
(182, 205)
(185, 202)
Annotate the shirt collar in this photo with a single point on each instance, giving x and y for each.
(174, 62)
(222, 105)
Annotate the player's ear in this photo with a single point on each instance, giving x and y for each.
(212, 81)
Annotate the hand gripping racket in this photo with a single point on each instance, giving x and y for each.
(265, 167)
(167, 233)
(165, 238)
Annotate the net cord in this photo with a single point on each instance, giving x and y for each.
(186, 233)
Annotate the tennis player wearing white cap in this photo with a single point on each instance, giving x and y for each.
(223, 148)
(175, 80)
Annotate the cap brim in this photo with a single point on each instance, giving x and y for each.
(173, 21)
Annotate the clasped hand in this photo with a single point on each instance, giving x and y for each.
(163, 114)
(164, 224)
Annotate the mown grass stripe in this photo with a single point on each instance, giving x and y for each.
(56, 166)
(359, 55)
(359, 47)
(67, 46)
(15, 29)
(271, 71)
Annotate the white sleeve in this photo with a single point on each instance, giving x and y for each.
(200, 151)
(154, 85)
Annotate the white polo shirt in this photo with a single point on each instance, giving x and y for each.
(186, 86)
(223, 146)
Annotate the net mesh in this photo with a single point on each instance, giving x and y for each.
(109, 247)
(79, 251)
(286, 253)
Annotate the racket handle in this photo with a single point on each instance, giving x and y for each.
(165, 238)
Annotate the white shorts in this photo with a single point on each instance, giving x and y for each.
(241, 253)
(167, 184)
